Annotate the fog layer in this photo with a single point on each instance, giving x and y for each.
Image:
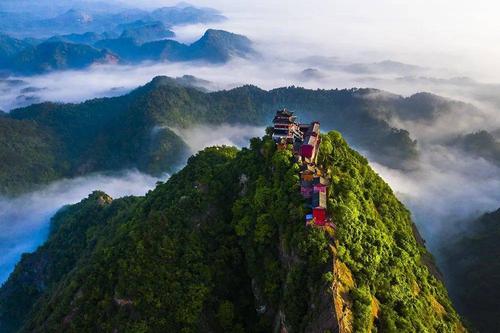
(24, 220)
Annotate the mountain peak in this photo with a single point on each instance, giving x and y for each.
(161, 81)
(101, 198)
(78, 15)
(220, 45)
(223, 34)
(230, 225)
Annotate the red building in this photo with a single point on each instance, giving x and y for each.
(306, 150)
(306, 140)
(310, 146)
(319, 214)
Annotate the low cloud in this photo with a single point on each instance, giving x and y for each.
(448, 191)
(202, 136)
(24, 221)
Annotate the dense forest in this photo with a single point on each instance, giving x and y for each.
(222, 246)
(50, 140)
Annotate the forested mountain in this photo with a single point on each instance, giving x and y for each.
(219, 46)
(147, 31)
(475, 271)
(139, 42)
(89, 38)
(216, 46)
(222, 247)
(9, 47)
(49, 141)
(421, 107)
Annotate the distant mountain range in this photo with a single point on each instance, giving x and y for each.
(77, 51)
(89, 16)
(386, 66)
(51, 56)
(215, 46)
(34, 42)
(382, 67)
(421, 107)
(9, 47)
(140, 31)
(145, 31)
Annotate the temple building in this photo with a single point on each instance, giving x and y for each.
(286, 128)
(305, 140)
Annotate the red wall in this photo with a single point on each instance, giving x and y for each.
(320, 188)
(306, 151)
(319, 215)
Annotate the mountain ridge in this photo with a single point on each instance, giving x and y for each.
(167, 102)
(215, 46)
(146, 42)
(222, 246)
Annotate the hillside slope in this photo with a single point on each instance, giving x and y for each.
(222, 246)
(475, 271)
(86, 133)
